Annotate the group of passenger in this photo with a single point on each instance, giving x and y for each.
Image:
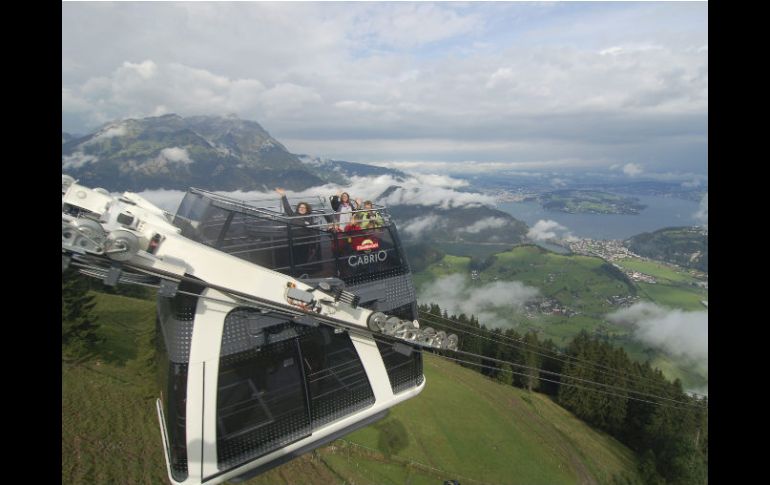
(349, 216)
(352, 227)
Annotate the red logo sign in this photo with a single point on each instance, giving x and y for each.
(367, 244)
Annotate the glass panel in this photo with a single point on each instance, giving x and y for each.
(337, 382)
(261, 403)
(404, 371)
(259, 241)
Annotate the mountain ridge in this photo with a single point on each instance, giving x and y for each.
(211, 152)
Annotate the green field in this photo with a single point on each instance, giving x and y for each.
(660, 271)
(584, 284)
(580, 282)
(476, 250)
(462, 426)
(448, 265)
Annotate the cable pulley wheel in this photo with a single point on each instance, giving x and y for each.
(122, 245)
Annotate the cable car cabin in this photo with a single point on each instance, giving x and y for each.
(370, 262)
(245, 389)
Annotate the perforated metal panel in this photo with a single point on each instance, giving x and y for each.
(404, 371)
(392, 290)
(172, 379)
(261, 403)
(336, 380)
(275, 386)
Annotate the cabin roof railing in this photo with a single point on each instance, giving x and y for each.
(276, 212)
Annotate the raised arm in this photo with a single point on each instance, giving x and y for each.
(285, 202)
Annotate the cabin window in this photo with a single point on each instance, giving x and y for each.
(404, 371)
(259, 241)
(261, 403)
(278, 381)
(337, 383)
(172, 379)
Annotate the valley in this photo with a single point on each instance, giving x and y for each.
(575, 292)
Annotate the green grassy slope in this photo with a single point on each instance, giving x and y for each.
(462, 426)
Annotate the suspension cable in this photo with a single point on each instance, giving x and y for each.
(556, 355)
(260, 303)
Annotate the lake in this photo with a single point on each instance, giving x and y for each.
(660, 212)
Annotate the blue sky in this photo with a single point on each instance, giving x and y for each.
(431, 86)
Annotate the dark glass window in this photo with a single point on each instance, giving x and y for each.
(261, 403)
(172, 377)
(278, 380)
(336, 380)
(404, 371)
(257, 240)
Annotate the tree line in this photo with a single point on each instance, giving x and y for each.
(666, 427)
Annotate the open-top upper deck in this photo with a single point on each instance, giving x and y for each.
(368, 257)
(322, 216)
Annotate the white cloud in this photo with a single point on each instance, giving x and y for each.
(629, 49)
(176, 155)
(543, 230)
(77, 160)
(479, 167)
(412, 191)
(167, 200)
(486, 223)
(109, 131)
(411, 194)
(679, 333)
(145, 70)
(443, 181)
(404, 25)
(702, 215)
(457, 295)
(501, 76)
(358, 106)
(415, 227)
(632, 169)
(365, 81)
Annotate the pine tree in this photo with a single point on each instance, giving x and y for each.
(505, 376)
(78, 329)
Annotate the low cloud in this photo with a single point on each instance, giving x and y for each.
(422, 189)
(411, 194)
(110, 131)
(544, 230)
(425, 190)
(77, 160)
(456, 295)
(176, 154)
(416, 227)
(632, 169)
(678, 333)
(486, 223)
(702, 215)
(168, 200)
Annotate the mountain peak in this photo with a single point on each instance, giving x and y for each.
(175, 152)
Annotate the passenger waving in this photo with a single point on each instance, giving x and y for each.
(342, 204)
